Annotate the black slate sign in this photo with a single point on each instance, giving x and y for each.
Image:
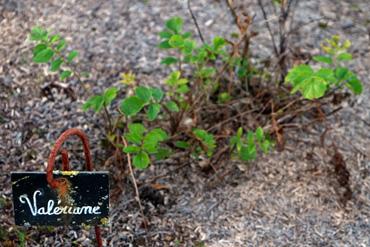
(84, 199)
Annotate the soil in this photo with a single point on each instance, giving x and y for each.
(316, 192)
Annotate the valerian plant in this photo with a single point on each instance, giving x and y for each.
(332, 74)
(152, 123)
(52, 49)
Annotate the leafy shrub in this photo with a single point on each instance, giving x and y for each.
(51, 49)
(314, 84)
(151, 122)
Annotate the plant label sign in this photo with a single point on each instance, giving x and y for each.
(82, 198)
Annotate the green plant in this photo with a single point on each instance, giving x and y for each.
(52, 49)
(314, 84)
(245, 146)
(143, 143)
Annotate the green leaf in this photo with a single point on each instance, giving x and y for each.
(109, 95)
(54, 38)
(182, 89)
(136, 133)
(326, 74)
(164, 45)
(153, 111)
(157, 93)
(163, 153)
(151, 140)
(137, 129)
(141, 160)
(169, 60)
(173, 78)
(172, 106)
(176, 41)
(143, 93)
(298, 74)
(43, 56)
(165, 34)
(95, 102)
(175, 24)
(65, 74)
(344, 56)
(354, 84)
(55, 65)
(38, 48)
(132, 105)
(207, 140)
(182, 144)
(218, 42)
(341, 73)
(189, 46)
(323, 59)
(313, 87)
(259, 134)
(131, 149)
(72, 55)
(38, 33)
(248, 153)
(61, 45)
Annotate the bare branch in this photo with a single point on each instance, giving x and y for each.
(195, 22)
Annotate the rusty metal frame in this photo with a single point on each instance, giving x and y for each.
(57, 183)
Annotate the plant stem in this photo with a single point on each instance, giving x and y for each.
(135, 184)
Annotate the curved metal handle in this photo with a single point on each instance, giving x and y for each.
(58, 144)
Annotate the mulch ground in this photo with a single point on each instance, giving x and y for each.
(307, 195)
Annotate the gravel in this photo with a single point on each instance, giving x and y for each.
(289, 198)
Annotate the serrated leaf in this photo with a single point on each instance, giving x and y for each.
(109, 95)
(164, 45)
(137, 129)
(38, 48)
(176, 41)
(132, 105)
(313, 87)
(175, 24)
(95, 102)
(344, 56)
(143, 93)
(326, 74)
(141, 160)
(65, 74)
(165, 34)
(157, 93)
(169, 60)
(55, 65)
(341, 73)
(136, 133)
(72, 55)
(182, 89)
(153, 111)
(354, 84)
(151, 140)
(323, 59)
(298, 74)
(131, 149)
(172, 106)
(43, 56)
